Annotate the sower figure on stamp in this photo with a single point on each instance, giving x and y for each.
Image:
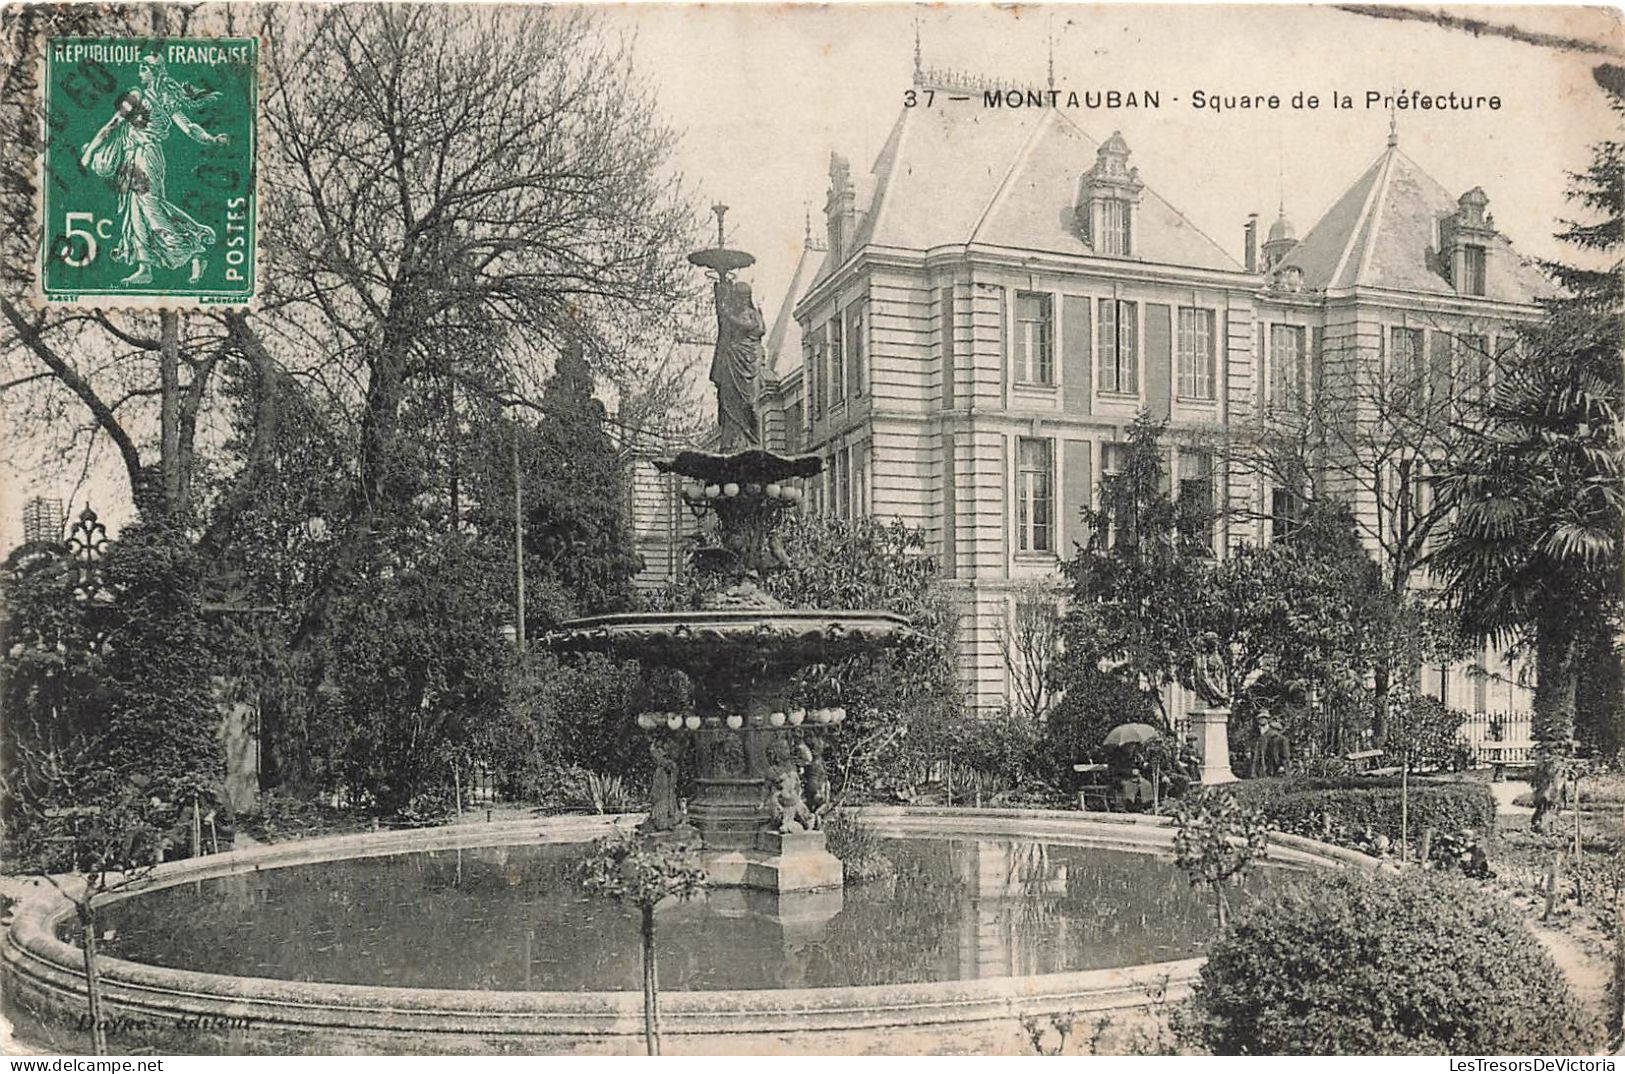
(129, 149)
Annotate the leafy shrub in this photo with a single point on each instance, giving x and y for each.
(574, 789)
(858, 847)
(1000, 746)
(162, 721)
(427, 808)
(610, 794)
(1430, 731)
(1355, 963)
(1216, 839)
(1093, 704)
(1348, 810)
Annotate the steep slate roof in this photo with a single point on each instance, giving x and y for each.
(1034, 208)
(1383, 232)
(953, 174)
(784, 338)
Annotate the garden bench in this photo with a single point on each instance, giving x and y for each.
(1503, 755)
(1364, 761)
(1096, 787)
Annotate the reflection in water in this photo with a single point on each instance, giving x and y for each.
(505, 918)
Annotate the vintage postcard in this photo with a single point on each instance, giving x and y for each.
(788, 529)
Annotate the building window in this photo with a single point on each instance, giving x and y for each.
(1196, 479)
(1285, 510)
(1119, 346)
(1472, 261)
(860, 482)
(843, 487)
(815, 378)
(1035, 336)
(1113, 457)
(793, 429)
(1405, 354)
(1196, 373)
(1035, 481)
(1286, 363)
(1441, 366)
(1113, 470)
(1476, 360)
(837, 362)
(856, 374)
(1114, 227)
(1196, 490)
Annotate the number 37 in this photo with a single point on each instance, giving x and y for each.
(90, 236)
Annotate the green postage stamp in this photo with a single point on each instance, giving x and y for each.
(147, 185)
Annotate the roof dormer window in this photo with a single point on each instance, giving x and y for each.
(1466, 238)
(1116, 234)
(1108, 199)
(1472, 276)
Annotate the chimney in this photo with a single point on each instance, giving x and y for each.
(1252, 242)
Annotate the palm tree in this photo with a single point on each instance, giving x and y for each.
(1533, 557)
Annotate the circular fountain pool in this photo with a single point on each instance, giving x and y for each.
(516, 919)
(478, 939)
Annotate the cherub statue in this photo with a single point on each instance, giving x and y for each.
(814, 780)
(782, 794)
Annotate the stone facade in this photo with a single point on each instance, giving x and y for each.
(994, 303)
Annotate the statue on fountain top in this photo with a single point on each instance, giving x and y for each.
(736, 367)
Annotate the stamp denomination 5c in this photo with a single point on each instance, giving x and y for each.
(147, 187)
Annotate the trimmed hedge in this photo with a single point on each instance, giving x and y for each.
(1354, 805)
(1352, 963)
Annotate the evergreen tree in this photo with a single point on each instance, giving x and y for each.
(1534, 556)
(577, 517)
(1139, 586)
(163, 723)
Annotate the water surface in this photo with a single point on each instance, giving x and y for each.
(515, 918)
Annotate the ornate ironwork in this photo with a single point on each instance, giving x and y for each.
(87, 543)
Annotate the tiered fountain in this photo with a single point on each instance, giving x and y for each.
(753, 740)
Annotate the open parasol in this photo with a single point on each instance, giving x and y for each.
(1131, 734)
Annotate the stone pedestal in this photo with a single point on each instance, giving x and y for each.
(795, 861)
(728, 811)
(1211, 730)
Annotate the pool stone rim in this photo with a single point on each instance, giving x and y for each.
(45, 974)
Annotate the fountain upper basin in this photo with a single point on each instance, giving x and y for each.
(749, 636)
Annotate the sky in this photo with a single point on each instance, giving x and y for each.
(765, 92)
(760, 94)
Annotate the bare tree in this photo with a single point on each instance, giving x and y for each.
(146, 383)
(1030, 642)
(448, 196)
(1375, 429)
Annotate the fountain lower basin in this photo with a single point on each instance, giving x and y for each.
(44, 974)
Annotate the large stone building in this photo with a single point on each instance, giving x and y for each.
(991, 305)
